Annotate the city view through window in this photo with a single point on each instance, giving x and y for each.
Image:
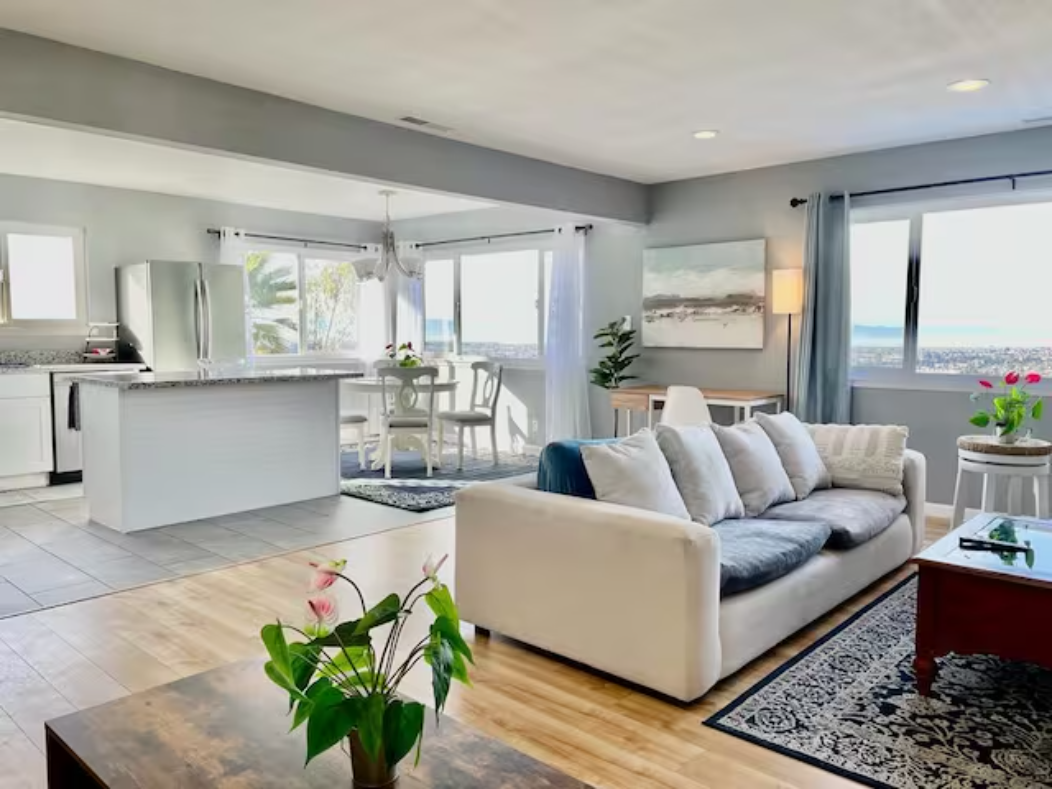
(985, 275)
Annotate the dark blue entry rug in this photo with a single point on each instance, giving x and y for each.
(411, 489)
(848, 705)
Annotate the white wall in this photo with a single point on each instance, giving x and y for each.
(123, 226)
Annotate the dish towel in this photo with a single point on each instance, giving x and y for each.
(74, 406)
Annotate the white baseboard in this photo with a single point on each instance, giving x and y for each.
(24, 481)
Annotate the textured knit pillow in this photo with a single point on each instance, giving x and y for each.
(633, 472)
(868, 457)
(701, 473)
(758, 473)
(798, 452)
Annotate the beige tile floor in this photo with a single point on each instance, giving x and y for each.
(52, 553)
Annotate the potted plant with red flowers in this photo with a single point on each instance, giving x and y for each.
(342, 677)
(1010, 405)
(403, 354)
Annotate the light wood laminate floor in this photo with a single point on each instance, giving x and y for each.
(59, 660)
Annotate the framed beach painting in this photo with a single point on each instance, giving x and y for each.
(705, 295)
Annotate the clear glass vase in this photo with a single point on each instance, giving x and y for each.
(367, 772)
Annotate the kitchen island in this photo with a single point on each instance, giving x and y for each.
(164, 448)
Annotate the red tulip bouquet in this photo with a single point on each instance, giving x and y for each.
(1010, 405)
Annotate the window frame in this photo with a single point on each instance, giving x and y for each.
(907, 376)
(77, 326)
(302, 254)
(456, 253)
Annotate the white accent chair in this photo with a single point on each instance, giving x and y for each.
(685, 406)
(486, 378)
(360, 423)
(402, 415)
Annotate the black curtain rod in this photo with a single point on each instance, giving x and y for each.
(216, 232)
(1013, 177)
(577, 229)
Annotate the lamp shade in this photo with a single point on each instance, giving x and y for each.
(787, 285)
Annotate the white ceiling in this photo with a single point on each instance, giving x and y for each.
(614, 86)
(67, 155)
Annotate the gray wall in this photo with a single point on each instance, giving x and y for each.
(755, 204)
(124, 226)
(59, 83)
(613, 254)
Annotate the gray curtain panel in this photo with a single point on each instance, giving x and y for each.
(823, 393)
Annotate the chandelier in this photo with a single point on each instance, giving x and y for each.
(390, 253)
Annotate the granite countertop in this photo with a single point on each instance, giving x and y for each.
(213, 377)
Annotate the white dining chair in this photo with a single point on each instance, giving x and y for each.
(685, 406)
(361, 423)
(402, 412)
(486, 380)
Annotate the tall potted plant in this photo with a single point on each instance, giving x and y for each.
(611, 371)
(1010, 405)
(346, 691)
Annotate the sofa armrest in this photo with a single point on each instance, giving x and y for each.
(915, 488)
(626, 591)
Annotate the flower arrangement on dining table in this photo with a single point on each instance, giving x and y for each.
(342, 688)
(1010, 404)
(404, 354)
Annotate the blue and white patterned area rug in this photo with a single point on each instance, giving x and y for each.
(411, 489)
(849, 705)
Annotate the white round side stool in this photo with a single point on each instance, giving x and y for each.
(1026, 459)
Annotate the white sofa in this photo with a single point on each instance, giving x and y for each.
(637, 594)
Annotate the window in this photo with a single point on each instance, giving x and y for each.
(42, 276)
(307, 303)
(487, 303)
(952, 289)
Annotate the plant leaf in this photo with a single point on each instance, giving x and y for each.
(345, 633)
(316, 691)
(304, 658)
(332, 718)
(273, 637)
(371, 724)
(444, 628)
(439, 655)
(1038, 409)
(380, 614)
(403, 726)
(283, 681)
(440, 601)
(980, 419)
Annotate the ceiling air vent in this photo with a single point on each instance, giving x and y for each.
(423, 123)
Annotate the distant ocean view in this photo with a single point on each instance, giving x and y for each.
(944, 337)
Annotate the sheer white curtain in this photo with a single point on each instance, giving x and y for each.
(565, 347)
(409, 311)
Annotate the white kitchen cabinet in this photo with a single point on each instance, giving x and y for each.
(25, 429)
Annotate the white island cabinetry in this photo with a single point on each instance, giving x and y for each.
(168, 448)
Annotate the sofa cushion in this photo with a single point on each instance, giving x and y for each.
(561, 468)
(870, 457)
(758, 473)
(853, 516)
(701, 472)
(634, 473)
(755, 551)
(797, 450)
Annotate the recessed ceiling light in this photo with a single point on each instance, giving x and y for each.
(705, 134)
(968, 85)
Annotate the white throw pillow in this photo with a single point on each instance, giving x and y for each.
(701, 472)
(798, 452)
(758, 473)
(868, 457)
(633, 472)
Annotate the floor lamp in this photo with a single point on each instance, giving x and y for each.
(788, 299)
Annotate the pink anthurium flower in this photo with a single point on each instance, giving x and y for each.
(322, 613)
(1012, 378)
(986, 385)
(325, 574)
(1033, 378)
(431, 567)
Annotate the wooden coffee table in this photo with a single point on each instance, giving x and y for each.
(227, 728)
(978, 602)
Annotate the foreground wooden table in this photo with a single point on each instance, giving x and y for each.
(981, 602)
(227, 728)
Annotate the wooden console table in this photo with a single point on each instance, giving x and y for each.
(650, 398)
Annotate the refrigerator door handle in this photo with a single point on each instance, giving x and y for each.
(207, 293)
(199, 314)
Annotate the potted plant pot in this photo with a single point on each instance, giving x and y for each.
(1005, 436)
(369, 773)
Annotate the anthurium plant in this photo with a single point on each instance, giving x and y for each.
(1010, 404)
(342, 678)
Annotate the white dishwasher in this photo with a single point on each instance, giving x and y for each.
(65, 427)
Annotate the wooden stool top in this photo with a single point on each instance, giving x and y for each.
(989, 445)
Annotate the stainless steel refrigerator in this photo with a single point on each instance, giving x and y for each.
(176, 314)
